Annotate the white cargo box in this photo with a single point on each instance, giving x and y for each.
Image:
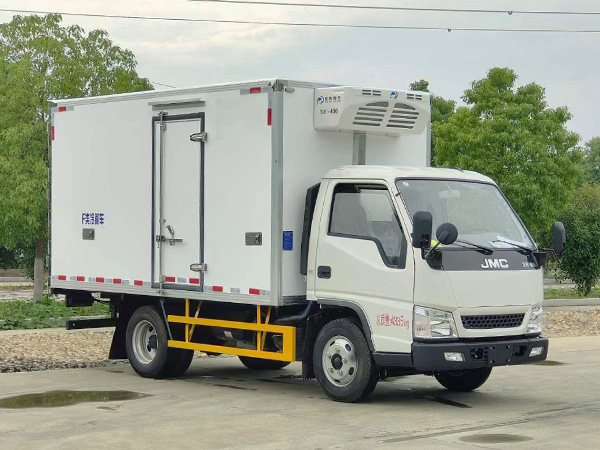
(199, 193)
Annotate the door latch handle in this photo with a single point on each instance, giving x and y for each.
(324, 272)
(172, 241)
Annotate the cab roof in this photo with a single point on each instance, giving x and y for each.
(390, 173)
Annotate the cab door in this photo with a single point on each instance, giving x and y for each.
(363, 259)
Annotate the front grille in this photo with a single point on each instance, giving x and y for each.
(493, 321)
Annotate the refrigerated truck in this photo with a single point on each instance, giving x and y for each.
(283, 221)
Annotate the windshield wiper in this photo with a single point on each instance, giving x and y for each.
(485, 250)
(522, 247)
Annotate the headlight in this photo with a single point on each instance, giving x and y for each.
(537, 320)
(433, 323)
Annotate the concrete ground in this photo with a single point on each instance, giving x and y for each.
(221, 404)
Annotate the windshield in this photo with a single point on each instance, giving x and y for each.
(478, 210)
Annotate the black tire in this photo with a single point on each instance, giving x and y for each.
(366, 372)
(262, 364)
(179, 361)
(463, 380)
(166, 362)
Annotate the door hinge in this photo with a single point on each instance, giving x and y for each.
(199, 267)
(199, 137)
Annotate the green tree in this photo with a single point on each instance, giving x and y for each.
(441, 111)
(581, 261)
(41, 60)
(510, 134)
(591, 160)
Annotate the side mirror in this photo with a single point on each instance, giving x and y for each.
(422, 228)
(446, 234)
(559, 238)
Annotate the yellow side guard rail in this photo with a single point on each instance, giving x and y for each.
(288, 333)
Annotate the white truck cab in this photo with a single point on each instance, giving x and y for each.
(458, 307)
(283, 221)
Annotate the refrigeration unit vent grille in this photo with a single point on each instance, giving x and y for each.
(371, 115)
(403, 116)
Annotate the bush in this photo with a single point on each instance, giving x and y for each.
(581, 261)
(8, 259)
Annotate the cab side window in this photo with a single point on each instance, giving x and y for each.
(367, 212)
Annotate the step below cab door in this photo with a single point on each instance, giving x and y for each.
(363, 260)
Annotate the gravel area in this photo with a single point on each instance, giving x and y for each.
(25, 351)
(576, 322)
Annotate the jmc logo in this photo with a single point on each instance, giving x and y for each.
(494, 264)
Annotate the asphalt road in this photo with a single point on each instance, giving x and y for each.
(220, 404)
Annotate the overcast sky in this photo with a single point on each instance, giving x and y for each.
(190, 54)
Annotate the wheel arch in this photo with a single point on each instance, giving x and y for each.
(349, 309)
(330, 310)
(125, 306)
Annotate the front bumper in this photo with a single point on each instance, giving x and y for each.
(428, 357)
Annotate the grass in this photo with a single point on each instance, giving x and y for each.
(48, 313)
(569, 293)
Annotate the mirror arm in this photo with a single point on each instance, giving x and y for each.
(431, 250)
(553, 252)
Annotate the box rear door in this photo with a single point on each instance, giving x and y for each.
(178, 201)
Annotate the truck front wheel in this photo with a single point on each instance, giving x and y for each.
(147, 350)
(463, 380)
(343, 363)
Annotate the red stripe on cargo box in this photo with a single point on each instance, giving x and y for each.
(52, 132)
(99, 279)
(194, 280)
(138, 282)
(254, 291)
(116, 281)
(269, 116)
(170, 279)
(62, 277)
(80, 278)
(217, 288)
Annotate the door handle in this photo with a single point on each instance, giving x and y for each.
(172, 241)
(324, 272)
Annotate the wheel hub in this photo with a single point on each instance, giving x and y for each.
(339, 361)
(144, 342)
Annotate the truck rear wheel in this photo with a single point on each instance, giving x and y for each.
(147, 350)
(463, 380)
(262, 364)
(343, 363)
